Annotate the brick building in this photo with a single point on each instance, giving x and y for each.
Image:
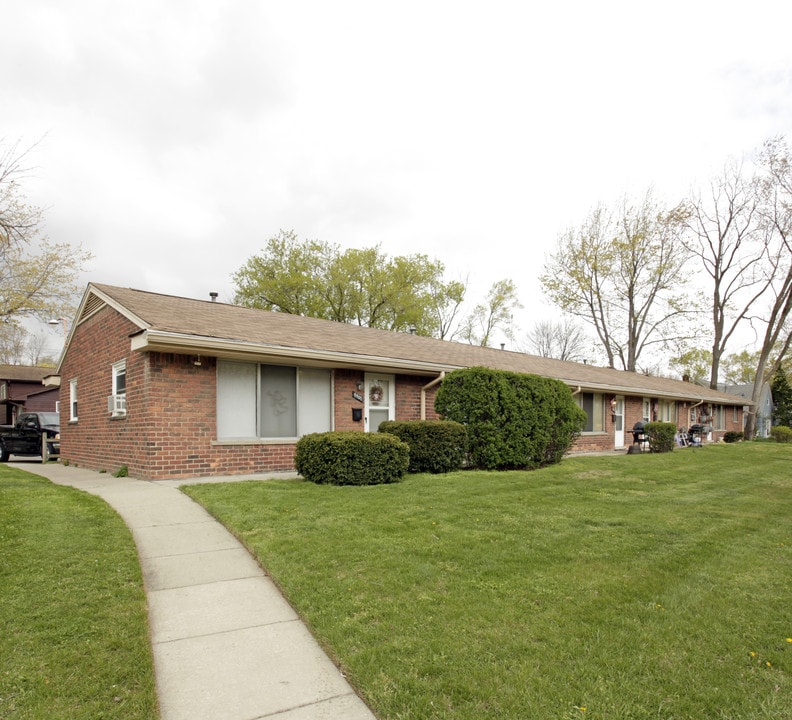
(174, 387)
(22, 389)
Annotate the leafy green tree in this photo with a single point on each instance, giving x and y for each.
(496, 313)
(360, 286)
(739, 368)
(782, 399)
(38, 278)
(622, 271)
(294, 277)
(695, 364)
(365, 286)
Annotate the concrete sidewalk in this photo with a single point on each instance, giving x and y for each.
(226, 644)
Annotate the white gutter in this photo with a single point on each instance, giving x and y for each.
(154, 340)
(164, 341)
(423, 392)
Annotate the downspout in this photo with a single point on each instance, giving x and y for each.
(426, 387)
(693, 407)
(700, 402)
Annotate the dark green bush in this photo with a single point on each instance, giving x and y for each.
(781, 433)
(513, 420)
(436, 446)
(351, 458)
(661, 436)
(732, 436)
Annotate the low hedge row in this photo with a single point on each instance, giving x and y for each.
(351, 458)
(436, 446)
(661, 436)
(781, 433)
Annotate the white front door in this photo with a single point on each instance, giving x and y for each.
(380, 400)
(618, 422)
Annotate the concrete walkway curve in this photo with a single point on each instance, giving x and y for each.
(226, 644)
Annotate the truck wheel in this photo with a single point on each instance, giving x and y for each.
(3, 454)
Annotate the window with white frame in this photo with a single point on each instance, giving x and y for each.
(646, 411)
(718, 417)
(72, 399)
(666, 411)
(271, 401)
(117, 401)
(594, 407)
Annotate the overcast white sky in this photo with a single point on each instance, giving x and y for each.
(178, 135)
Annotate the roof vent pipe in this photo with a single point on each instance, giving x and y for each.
(213, 296)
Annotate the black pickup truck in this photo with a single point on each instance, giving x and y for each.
(34, 433)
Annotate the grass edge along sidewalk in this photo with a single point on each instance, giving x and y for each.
(73, 624)
(653, 586)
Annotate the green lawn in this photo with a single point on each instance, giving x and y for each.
(651, 586)
(73, 625)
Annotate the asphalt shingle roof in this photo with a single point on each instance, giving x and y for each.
(24, 373)
(199, 321)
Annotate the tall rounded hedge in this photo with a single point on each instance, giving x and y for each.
(351, 458)
(514, 420)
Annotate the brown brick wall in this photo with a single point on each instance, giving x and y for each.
(345, 382)
(97, 440)
(408, 398)
(170, 427)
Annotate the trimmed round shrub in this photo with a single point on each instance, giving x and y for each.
(732, 436)
(661, 436)
(351, 458)
(436, 446)
(781, 433)
(513, 420)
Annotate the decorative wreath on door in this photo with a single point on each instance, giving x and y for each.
(376, 393)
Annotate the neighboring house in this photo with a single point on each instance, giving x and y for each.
(763, 409)
(174, 387)
(22, 389)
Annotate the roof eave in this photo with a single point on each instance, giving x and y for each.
(160, 341)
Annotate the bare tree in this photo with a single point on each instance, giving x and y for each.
(725, 233)
(776, 211)
(37, 278)
(13, 343)
(561, 340)
(495, 313)
(18, 220)
(446, 303)
(36, 349)
(622, 272)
